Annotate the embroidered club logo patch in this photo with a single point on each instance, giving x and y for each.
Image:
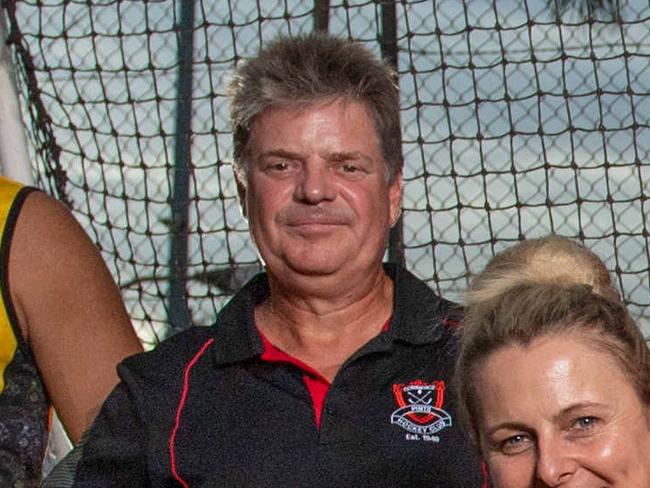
(420, 411)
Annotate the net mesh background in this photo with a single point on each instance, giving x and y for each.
(517, 121)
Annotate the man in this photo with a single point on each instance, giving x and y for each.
(63, 329)
(330, 369)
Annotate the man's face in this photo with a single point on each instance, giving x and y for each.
(316, 194)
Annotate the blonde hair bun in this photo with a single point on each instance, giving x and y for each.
(551, 260)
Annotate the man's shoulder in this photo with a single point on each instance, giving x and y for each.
(230, 336)
(419, 314)
(412, 291)
(172, 353)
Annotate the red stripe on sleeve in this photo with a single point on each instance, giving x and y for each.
(179, 410)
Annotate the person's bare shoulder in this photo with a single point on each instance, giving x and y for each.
(68, 308)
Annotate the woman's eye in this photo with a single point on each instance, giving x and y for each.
(514, 444)
(584, 423)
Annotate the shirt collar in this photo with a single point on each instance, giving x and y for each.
(418, 317)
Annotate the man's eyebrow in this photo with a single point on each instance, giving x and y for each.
(347, 156)
(280, 153)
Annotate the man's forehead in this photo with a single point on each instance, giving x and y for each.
(340, 129)
(300, 108)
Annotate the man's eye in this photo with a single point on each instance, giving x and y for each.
(349, 168)
(278, 167)
(281, 166)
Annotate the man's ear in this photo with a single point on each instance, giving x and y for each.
(241, 191)
(395, 198)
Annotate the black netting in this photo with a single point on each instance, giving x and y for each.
(516, 122)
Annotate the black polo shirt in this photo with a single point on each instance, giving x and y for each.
(204, 409)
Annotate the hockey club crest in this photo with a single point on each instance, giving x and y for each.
(420, 410)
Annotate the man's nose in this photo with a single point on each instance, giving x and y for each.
(314, 184)
(556, 463)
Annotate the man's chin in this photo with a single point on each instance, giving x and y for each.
(314, 268)
(332, 266)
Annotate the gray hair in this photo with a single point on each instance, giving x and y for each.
(299, 71)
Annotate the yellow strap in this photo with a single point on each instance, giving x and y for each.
(8, 191)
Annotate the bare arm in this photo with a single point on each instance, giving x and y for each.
(69, 309)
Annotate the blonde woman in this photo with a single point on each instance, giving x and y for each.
(553, 374)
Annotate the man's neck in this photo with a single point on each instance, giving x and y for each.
(323, 331)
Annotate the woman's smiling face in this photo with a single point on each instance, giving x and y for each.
(561, 412)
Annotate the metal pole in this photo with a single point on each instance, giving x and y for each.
(179, 316)
(321, 15)
(389, 51)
